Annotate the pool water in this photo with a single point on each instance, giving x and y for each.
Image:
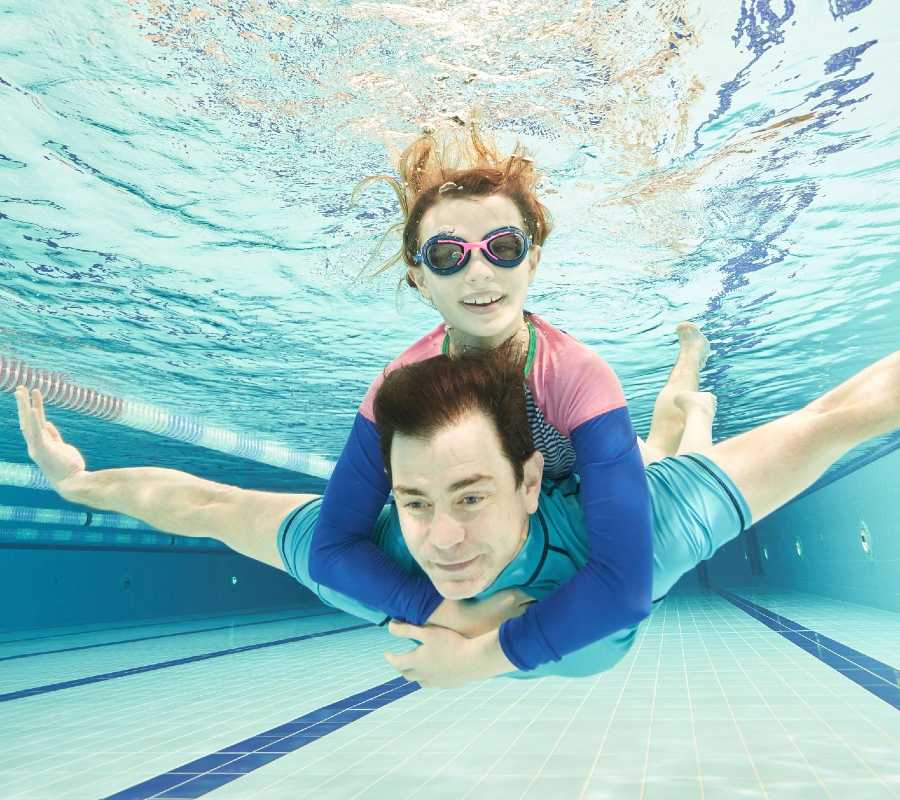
(181, 264)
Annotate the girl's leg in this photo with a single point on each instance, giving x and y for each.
(773, 463)
(670, 419)
(649, 454)
(699, 410)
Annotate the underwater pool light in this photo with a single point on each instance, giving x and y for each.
(865, 538)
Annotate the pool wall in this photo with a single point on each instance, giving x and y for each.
(840, 541)
(46, 587)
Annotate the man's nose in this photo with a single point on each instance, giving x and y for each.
(446, 532)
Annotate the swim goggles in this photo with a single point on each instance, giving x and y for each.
(445, 254)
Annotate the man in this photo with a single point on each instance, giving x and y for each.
(471, 511)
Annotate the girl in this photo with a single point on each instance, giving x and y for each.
(472, 239)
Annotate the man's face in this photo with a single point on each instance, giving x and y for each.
(463, 519)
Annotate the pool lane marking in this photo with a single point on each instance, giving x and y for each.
(168, 635)
(208, 773)
(124, 673)
(873, 675)
(133, 626)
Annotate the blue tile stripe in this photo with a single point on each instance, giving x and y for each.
(169, 635)
(213, 771)
(123, 673)
(873, 675)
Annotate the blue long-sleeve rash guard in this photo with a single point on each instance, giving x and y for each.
(343, 555)
(610, 593)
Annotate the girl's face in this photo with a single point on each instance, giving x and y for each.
(479, 281)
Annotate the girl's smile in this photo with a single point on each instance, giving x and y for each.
(482, 304)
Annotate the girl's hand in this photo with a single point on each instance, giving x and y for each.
(61, 463)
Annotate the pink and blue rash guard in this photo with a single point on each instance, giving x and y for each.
(580, 422)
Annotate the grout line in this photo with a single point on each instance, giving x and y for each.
(168, 635)
(826, 650)
(173, 621)
(612, 716)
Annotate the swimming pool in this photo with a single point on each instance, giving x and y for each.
(176, 237)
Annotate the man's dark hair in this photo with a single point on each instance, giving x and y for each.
(423, 398)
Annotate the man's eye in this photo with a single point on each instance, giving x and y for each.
(415, 505)
(475, 498)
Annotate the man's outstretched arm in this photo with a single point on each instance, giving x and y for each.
(171, 501)
(176, 502)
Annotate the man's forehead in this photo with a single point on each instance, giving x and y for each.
(442, 466)
(460, 451)
(413, 483)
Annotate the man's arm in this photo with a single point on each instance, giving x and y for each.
(171, 501)
(176, 502)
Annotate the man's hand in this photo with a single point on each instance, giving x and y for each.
(476, 617)
(61, 463)
(444, 659)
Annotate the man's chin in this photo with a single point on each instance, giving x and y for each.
(459, 589)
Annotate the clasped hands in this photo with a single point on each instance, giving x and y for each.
(460, 641)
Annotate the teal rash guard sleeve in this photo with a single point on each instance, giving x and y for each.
(343, 555)
(613, 590)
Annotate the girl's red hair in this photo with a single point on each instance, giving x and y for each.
(457, 162)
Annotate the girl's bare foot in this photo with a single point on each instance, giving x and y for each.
(693, 342)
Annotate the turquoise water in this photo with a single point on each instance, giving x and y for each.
(175, 230)
(175, 189)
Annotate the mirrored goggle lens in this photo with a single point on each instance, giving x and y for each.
(445, 255)
(507, 247)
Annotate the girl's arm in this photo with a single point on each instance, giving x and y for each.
(613, 590)
(343, 555)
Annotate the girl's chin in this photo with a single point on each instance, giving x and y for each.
(492, 325)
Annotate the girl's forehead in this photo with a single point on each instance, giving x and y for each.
(471, 214)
